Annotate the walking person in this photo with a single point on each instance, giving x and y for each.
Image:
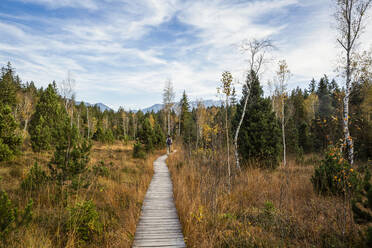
(169, 144)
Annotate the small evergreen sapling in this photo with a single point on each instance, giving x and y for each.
(35, 178)
(10, 217)
(84, 221)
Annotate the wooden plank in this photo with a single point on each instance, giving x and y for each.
(159, 225)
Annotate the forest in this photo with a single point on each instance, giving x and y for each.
(282, 168)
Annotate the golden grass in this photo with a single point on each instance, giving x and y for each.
(118, 198)
(213, 217)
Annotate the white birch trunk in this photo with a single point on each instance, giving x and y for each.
(283, 134)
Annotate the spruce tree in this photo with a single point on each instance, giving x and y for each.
(48, 120)
(186, 119)
(259, 137)
(10, 141)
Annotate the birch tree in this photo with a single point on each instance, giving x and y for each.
(200, 120)
(349, 16)
(168, 101)
(67, 91)
(256, 50)
(282, 76)
(226, 89)
(26, 108)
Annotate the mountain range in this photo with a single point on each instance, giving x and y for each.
(101, 106)
(193, 104)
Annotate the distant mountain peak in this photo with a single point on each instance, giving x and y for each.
(100, 105)
(193, 104)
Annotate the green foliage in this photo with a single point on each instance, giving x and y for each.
(186, 120)
(159, 137)
(362, 206)
(35, 178)
(8, 87)
(335, 175)
(259, 136)
(84, 221)
(10, 141)
(147, 136)
(101, 169)
(41, 137)
(71, 156)
(138, 151)
(10, 217)
(48, 120)
(104, 136)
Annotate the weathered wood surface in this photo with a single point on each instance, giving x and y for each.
(159, 225)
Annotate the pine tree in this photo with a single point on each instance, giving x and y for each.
(146, 135)
(259, 137)
(8, 87)
(48, 120)
(10, 141)
(71, 156)
(186, 120)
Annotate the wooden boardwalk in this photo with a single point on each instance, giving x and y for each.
(159, 225)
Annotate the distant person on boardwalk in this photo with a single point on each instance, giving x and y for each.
(169, 144)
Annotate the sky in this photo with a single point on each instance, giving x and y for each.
(121, 52)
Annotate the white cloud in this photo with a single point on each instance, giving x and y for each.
(112, 51)
(54, 4)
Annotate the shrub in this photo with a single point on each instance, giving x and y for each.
(10, 217)
(84, 221)
(335, 175)
(101, 169)
(138, 151)
(104, 136)
(35, 178)
(362, 206)
(15, 172)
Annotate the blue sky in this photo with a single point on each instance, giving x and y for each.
(120, 52)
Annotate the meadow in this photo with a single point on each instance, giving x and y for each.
(260, 209)
(115, 183)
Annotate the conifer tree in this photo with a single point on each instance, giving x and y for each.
(259, 137)
(8, 87)
(146, 135)
(186, 123)
(48, 120)
(10, 141)
(71, 156)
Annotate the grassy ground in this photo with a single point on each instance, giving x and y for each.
(117, 193)
(259, 211)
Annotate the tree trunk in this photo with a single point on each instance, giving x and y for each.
(347, 137)
(26, 123)
(228, 145)
(88, 123)
(168, 122)
(283, 133)
(237, 132)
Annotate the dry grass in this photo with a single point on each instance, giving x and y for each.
(254, 214)
(118, 198)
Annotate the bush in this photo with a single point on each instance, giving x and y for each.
(138, 151)
(10, 218)
(335, 175)
(362, 206)
(15, 172)
(101, 169)
(35, 178)
(84, 221)
(104, 136)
